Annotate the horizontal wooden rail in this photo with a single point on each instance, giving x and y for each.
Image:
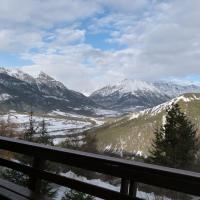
(169, 178)
(65, 181)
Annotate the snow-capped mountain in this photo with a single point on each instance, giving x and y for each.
(127, 86)
(138, 95)
(18, 74)
(128, 94)
(19, 91)
(174, 89)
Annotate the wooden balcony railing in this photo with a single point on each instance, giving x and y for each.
(130, 172)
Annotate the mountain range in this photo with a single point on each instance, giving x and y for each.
(136, 95)
(20, 91)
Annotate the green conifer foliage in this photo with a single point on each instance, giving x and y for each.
(31, 130)
(175, 144)
(44, 137)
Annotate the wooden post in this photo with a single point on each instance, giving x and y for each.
(34, 181)
(124, 186)
(133, 188)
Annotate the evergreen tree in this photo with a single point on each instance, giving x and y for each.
(175, 144)
(75, 195)
(31, 130)
(44, 137)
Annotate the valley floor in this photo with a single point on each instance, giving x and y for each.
(59, 125)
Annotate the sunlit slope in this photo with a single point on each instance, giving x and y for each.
(134, 133)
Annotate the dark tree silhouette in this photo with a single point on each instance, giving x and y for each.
(176, 143)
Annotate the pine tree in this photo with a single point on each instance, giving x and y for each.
(31, 130)
(75, 195)
(44, 137)
(175, 144)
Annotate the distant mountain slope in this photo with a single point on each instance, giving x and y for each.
(134, 133)
(174, 89)
(138, 95)
(19, 91)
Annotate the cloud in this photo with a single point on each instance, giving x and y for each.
(125, 5)
(165, 37)
(151, 39)
(64, 36)
(44, 14)
(19, 41)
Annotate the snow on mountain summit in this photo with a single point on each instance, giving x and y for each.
(126, 86)
(20, 91)
(18, 74)
(136, 85)
(44, 78)
(174, 88)
(169, 88)
(129, 95)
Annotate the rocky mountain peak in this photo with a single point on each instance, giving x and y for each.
(44, 78)
(136, 85)
(18, 74)
(126, 86)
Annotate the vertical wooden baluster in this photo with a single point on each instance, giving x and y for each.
(124, 186)
(133, 188)
(34, 181)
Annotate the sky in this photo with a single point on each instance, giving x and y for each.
(87, 44)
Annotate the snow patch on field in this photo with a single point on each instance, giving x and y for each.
(57, 123)
(5, 96)
(103, 112)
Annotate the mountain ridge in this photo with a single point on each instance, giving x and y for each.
(138, 95)
(43, 93)
(20, 90)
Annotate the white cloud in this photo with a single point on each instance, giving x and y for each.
(160, 39)
(46, 13)
(166, 38)
(19, 41)
(61, 37)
